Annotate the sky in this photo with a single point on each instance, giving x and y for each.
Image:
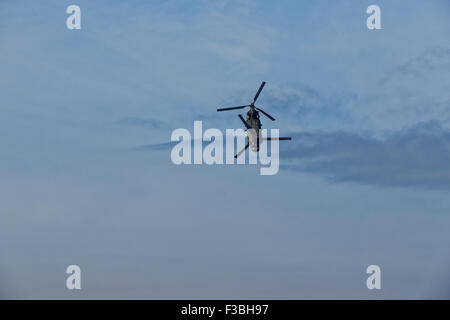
(86, 175)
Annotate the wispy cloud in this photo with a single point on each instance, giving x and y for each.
(435, 59)
(164, 146)
(146, 123)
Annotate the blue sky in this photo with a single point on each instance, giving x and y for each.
(364, 181)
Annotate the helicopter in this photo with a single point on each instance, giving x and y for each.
(253, 124)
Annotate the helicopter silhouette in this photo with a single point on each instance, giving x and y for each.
(253, 124)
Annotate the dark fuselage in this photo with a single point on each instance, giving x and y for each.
(253, 132)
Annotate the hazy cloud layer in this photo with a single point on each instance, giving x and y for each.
(418, 156)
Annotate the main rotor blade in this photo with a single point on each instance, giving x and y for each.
(240, 152)
(232, 108)
(266, 114)
(259, 91)
(280, 138)
(245, 122)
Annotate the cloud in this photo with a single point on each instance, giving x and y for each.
(416, 90)
(303, 106)
(433, 59)
(418, 156)
(156, 146)
(166, 146)
(140, 122)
